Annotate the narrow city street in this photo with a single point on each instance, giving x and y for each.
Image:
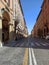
(24, 32)
(26, 51)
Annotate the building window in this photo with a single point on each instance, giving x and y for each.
(5, 0)
(48, 0)
(47, 30)
(8, 2)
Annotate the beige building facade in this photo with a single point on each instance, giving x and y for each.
(21, 28)
(6, 21)
(11, 19)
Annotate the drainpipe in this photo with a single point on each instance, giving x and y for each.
(1, 44)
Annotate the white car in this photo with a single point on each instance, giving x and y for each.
(47, 37)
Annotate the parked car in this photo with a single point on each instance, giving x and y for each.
(47, 37)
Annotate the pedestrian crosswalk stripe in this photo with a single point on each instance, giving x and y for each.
(38, 44)
(32, 44)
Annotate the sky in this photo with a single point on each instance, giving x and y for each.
(31, 9)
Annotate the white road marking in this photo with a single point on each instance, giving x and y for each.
(22, 44)
(44, 44)
(30, 58)
(17, 44)
(34, 59)
(32, 44)
(38, 44)
(47, 44)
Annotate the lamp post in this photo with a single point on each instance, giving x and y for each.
(1, 44)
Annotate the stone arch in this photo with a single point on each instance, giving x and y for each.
(5, 26)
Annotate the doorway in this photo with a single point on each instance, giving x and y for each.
(5, 27)
(5, 30)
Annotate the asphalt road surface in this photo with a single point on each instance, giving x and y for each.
(38, 51)
(14, 54)
(26, 51)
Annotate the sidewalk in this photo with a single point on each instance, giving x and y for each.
(10, 43)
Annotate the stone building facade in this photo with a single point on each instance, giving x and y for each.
(11, 19)
(41, 27)
(45, 13)
(6, 21)
(21, 28)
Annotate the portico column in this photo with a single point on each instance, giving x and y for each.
(0, 28)
(11, 32)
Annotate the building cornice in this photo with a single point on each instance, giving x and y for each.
(21, 7)
(22, 11)
(42, 4)
(39, 14)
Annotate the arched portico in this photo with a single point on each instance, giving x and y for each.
(5, 26)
